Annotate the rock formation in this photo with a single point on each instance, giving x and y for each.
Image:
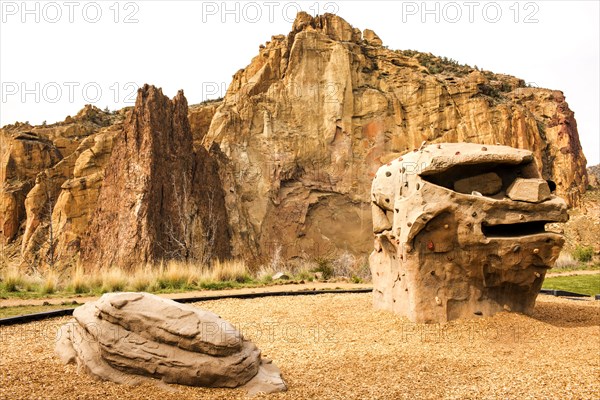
(124, 337)
(280, 168)
(36, 162)
(304, 127)
(154, 189)
(442, 254)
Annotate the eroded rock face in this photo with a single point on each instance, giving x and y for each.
(153, 204)
(441, 254)
(35, 161)
(125, 337)
(305, 126)
(292, 147)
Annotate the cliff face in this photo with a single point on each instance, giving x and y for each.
(147, 208)
(304, 127)
(46, 188)
(280, 168)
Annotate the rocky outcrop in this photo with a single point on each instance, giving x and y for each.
(127, 337)
(305, 126)
(291, 151)
(147, 208)
(36, 161)
(594, 175)
(441, 254)
(200, 116)
(23, 155)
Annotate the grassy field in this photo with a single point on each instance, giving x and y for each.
(6, 312)
(583, 284)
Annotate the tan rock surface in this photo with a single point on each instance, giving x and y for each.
(125, 336)
(22, 156)
(449, 255)
(531, 190)
(304, 127)
(37, 162)
(292, 149)
(159, 200)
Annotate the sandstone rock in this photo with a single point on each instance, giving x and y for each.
(280, 275)
(594, 175)
(124, 337)
(154, 203)
(22, 156)
(35, 162)
(285, 161)
(372, 38)
(451, 255)
(78, 198)
(305, 126)
(531, 190)
(486, 184)
(200, 116)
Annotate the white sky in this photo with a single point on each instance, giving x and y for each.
(49, 70)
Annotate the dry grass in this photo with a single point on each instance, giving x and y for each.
(13, 280)
(143, 280)
(80, 283)
(233, 270)
(565, 260)
(113, 280)
(50, 283)
(177, 276)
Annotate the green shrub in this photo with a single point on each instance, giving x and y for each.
(13, 281)
(12, 285)
(583, 253)
(305, 276)
(324, 266)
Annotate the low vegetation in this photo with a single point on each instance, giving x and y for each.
(179, 277)
(583, 253)
(581, 258)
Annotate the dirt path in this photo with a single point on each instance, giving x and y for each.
(197, 293)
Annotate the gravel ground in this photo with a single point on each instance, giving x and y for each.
(337, 347)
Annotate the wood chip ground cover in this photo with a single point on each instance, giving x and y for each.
(338, 347)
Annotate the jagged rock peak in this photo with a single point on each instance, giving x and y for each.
(331, 25)
(144, 201)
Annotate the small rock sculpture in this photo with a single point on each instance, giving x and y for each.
(460, 232)
(126, 337)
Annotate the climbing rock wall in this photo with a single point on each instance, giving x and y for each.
(460, 232)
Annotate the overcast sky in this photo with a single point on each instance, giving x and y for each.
(57, 56)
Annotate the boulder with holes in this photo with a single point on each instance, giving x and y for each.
(460, 232)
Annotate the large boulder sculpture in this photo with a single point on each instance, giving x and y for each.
(130, 337)
(460, 232)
